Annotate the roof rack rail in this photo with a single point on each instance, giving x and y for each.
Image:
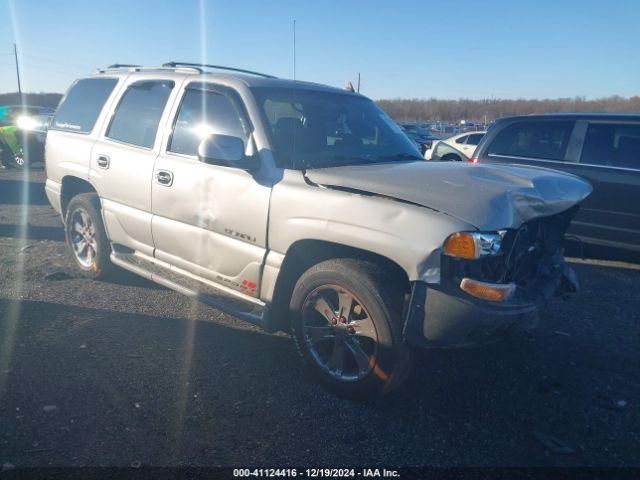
(123, 65)
(217, 67)
(140, 68)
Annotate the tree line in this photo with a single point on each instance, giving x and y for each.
(50, 100)
(417, 110)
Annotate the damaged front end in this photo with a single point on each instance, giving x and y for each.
(480, 299)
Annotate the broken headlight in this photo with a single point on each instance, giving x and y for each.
(473, 245)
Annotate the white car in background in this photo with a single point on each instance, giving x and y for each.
(457, 148)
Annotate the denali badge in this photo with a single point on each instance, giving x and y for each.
(242, 236)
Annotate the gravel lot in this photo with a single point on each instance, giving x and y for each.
(96, 373)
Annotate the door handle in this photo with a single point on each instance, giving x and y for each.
(103, 161)
(164, 178)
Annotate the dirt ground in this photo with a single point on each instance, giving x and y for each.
(114, 373)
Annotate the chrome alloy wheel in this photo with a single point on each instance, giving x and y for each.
(18, 158)
(83, 238)
(339, 333)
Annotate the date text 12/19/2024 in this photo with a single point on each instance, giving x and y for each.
(316, 472)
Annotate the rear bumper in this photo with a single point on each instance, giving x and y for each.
(440, 316)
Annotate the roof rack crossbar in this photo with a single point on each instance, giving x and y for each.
(217, 67)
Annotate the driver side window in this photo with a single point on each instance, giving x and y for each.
(203, 113)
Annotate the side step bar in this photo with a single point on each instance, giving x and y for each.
(219, 297)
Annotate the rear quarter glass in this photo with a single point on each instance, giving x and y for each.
(82, 105)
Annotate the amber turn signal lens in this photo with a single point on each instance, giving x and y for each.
(461, 245)
(494, 292)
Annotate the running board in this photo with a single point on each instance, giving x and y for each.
(221, 298)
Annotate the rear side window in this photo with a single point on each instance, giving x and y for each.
(462, 139)
(535, 139)
(474, 139)
(83, 104)
(614, 145)
(138, 114)
(203, 113)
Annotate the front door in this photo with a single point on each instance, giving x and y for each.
(209, 220)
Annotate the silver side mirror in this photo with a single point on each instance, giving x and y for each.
(225, 150)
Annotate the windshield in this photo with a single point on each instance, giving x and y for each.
(313, 129)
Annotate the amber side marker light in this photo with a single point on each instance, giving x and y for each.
(461, 245)
(493, 292)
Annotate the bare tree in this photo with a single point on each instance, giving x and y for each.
(415, 110)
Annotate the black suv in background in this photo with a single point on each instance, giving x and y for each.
(603, 148)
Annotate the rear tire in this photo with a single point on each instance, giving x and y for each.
(451, 157)
(347, 328)
(86, 236)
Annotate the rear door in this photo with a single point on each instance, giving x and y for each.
(610, 160)
(122, 159)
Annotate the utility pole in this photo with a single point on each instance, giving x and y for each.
(15, 53)
(294, 49)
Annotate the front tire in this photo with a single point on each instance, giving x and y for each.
(346, 326)
(86, 236)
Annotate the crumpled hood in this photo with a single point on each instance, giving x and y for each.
(489, 197)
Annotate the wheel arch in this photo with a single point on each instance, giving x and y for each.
(72, 186)
(303, 254)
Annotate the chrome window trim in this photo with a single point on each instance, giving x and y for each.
(564, 163)
(529, 158)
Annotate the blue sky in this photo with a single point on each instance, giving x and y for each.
(409, 49)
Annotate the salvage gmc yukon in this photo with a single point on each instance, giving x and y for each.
(304, 208)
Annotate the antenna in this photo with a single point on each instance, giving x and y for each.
(358, 90)
(15, 53)
(294, 48)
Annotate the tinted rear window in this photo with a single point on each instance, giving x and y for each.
(83, 104)
(614, 145)
(138, 115)
(475, 138)
(536, 139)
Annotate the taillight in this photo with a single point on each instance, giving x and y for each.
(473, 160)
